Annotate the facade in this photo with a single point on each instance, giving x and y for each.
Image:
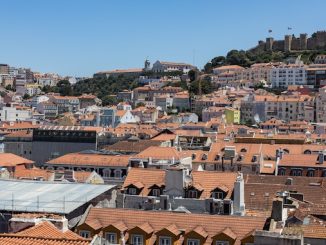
(316, 76)
(14, 114)
(168, 228)
(287, 75)
(257, 108)
(232, 116)
(112, 168)
(212, 112)
(162, 66)
(38, 99)
(66, 103)
(119, 72)
(321, 106)
(50, 110)
(53, 141)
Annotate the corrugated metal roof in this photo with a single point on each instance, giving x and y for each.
(49, 197)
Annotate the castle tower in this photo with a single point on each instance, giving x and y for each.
(287, 43)
(320, 39)
(269, 44)
(303, 41)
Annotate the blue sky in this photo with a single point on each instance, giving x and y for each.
(80, 37)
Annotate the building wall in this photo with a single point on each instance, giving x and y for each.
(44, 151)
(11, 114)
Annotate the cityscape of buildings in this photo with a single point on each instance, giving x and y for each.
(241, 164)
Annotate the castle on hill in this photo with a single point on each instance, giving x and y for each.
(317, 41)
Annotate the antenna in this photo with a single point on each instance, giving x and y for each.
(193, 57)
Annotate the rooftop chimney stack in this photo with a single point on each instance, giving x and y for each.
(239, 204)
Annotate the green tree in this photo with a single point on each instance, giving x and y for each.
(140, 104)
(192, 74)
(218, 61)
(26, 96)
(64, 87)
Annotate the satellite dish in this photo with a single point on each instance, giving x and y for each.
(188, 180)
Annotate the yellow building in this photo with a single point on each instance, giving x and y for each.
(232, 116)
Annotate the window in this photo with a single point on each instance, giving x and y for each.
(193, 242)
(165, 241)
(137, 240)
(218, 195)
(117, 173)
(296, 172)
(85, 234)
(192, 194)
(132, 191)
(156, 192)
(106, 173)
(222, 243)
(311, 173)
(281, 171)
(111, 237)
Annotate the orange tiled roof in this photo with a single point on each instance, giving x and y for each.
(9, 160)
(160, 220)
(209, 181)
(91, 160)
(31, 173)
(48, 230)
(12, 239)
(156, 152)
(147, 177)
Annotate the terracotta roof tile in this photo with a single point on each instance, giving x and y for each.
(9, 160)
(91, 160)
(46, 229)
(175, 222)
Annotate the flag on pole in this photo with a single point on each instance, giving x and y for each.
(270, 31)
(289, 28)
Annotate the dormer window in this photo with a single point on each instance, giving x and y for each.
(286, 151)
(218, 195)
(192, 194)
(84, 234)
(243, 150)
(132, 191)
(164, 240)
(193, 156)
(254, 159)
(193, 242)
(156, 192)
(111, 237)
(217, 157)
(222, 243)
(137, 239)
(204, 157)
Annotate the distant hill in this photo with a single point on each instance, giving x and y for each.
(274, 51)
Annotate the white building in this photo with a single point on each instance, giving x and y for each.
(291, 74)
(162, 66)
(12, 114)
(39, 99)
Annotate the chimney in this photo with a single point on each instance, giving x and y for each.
(321, 157)
(239, 204)
(278, 212)
(176, 179)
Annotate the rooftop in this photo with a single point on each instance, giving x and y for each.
(49, 197)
